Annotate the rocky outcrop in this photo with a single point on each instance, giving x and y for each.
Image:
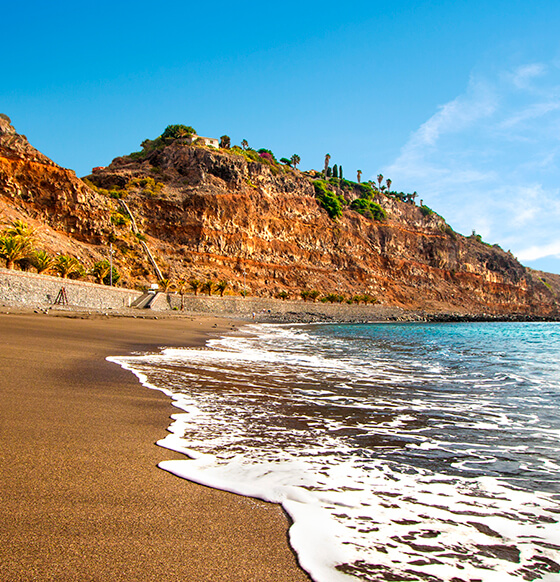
(49, 194)
(218, 214)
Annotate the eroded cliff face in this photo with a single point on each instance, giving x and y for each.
(213, 214)
(68, 214)
(221, 216)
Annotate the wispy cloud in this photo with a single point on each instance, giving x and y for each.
(523, 75)
(487, 160)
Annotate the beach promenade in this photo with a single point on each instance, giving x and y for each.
(81, 497)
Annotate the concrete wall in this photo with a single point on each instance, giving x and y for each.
(32, 290)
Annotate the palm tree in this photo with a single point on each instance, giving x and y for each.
(208, 286)
(100, 270)
(195, 285)
(245, 144)
(313, 294)
(388, 181)
(380, 179)
(327, 160)
(105, 273)
(42, 261)
(221, 287)
(181, 284)
(67, 266)
(295, 160)
(166, 285)
(13, 248)
(21, 228)
(359, 176)
(182, 132)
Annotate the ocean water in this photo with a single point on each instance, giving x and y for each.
(400, 451)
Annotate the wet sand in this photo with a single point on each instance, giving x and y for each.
(81, 497)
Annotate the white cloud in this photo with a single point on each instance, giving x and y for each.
(524, 74)
(457, 115)
(538, 252)
(532, 112)
(487, 160)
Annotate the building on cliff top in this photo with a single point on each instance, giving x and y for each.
(208, 141)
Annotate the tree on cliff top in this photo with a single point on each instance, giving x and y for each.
(178, 131)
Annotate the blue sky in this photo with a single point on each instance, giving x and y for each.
(457, 100)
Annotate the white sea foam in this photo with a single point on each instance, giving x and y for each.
(380, 480)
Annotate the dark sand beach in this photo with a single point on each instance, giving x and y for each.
(81, 497)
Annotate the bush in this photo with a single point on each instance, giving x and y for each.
(119, 219)
(328, 199)
(366, 190)
(177, 131)
(270, 155)
(148, 185)
(368, 209)
(425, 210)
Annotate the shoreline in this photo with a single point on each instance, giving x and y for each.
(82, 496)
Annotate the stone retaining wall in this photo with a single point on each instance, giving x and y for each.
(22, 289)
(275, 309)
(19, 288)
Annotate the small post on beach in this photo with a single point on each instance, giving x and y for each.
(61, 298)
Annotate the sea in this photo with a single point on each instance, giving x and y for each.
(400, 451)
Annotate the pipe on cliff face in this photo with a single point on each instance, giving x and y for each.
(144, 245)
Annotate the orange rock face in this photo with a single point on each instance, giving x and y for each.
(213, 214)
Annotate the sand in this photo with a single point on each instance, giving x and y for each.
(81, 497)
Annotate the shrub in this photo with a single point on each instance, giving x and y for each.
(368, 209)
(119, 219)
(425, 210)
(148, 186)
(328, 199)
(177, 131)
(366, 190)
(265, 151)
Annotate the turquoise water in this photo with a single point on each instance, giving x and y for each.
(401, 451)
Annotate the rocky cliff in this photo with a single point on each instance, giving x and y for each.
(226, 215)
